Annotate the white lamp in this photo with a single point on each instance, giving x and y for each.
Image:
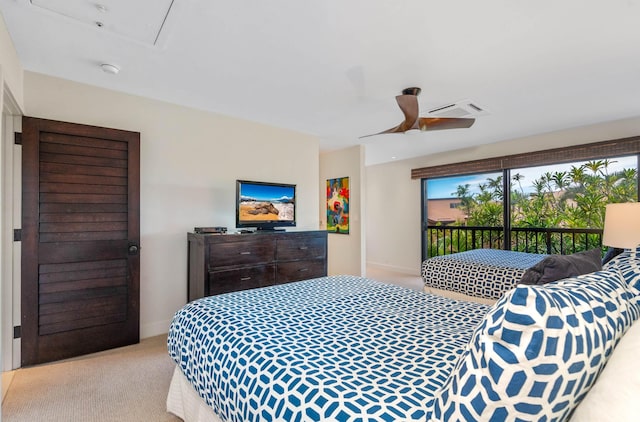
(622, 225)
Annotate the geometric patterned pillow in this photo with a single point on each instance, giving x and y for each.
(538, 351)
(628, 262)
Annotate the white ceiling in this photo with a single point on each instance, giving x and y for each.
(332, 68)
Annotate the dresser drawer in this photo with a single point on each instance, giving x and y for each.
(300, 270)
(228, 263)
(302, 248)
(241, 279)
(241, 253)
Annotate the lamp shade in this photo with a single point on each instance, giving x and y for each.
(622, 225)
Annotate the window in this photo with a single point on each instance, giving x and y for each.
(553, 208)
(463, 201)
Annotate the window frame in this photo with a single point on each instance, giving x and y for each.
(584, 152)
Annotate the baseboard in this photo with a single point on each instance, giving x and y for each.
(394, 268)
(7, 378)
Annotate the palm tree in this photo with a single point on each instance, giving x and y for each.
(496, 186)
(466, 199)
(517, 178)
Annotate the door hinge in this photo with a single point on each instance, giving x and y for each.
(18, 138)
(17, 235)
(17, 331)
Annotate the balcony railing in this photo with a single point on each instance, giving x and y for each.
(444, 240)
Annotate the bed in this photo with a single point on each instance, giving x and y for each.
(334, 348)
(345, 348)
(479, 273)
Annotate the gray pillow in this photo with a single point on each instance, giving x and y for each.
(557, 267)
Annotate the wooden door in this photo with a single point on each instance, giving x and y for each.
(80, 239)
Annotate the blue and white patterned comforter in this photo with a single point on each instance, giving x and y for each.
(339, 348)
(485, 273)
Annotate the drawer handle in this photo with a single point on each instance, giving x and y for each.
(245, 253)
(303, 270)
(303, 248)
(245, 278)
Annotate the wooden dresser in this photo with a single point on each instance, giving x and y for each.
(221, 263)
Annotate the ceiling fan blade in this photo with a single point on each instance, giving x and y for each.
(440, 123)
(392, 130)
(409, 106)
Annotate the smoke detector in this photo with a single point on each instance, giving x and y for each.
(110, 68)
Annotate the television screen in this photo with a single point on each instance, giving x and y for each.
(265, 205)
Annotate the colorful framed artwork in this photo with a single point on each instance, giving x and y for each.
(338, 205)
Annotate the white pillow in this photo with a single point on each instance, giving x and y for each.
(615, 396)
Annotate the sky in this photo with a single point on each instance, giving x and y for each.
(266, 192)
(446, 187)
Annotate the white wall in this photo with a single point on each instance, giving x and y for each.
(393, 199)
(393, 231)
(10, 67)
(189, 163)
(346, 252)
(11, 104)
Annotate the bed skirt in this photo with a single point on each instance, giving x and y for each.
(185, 403)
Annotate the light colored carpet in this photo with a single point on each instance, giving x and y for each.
(393, 277)
(124, 384)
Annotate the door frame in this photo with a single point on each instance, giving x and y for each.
(10, 250)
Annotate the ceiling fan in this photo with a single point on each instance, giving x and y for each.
(408, 103)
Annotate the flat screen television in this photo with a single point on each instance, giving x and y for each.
(264, 205)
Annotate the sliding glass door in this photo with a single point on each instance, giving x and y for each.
(556, 208)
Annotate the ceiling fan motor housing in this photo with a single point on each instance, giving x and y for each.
(411, 91)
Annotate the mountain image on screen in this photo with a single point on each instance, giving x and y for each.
(266, 210)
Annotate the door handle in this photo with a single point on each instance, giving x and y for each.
(133, 249)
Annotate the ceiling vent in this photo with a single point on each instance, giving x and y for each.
(463, 108)
(140, 21)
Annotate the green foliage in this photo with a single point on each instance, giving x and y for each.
(563, 199)
(573, 199)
